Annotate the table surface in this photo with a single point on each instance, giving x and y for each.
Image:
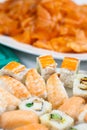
(30, 60)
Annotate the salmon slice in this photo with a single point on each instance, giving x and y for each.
(17, 118)
(72, 106)
(34, 126)
(14, 86)
(56, 91)
(35, 84)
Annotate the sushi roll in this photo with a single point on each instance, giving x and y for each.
(7, 101)
(80, 85)
(82, 126)
(33, 126)
(13, 119)
(46, 66)
(38, 105)
(56, 91)
(72, 106)
(35, 84)
(14, 69)
(68, 70)
(14, 86)
(57, 120)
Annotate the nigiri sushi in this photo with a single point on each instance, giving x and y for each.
(46, 65)
(57, 120)
(7, 101)
(72, 106)
(82, 126)
(33, 126)
(14, 86)
(3, 106)
(12, 119)
(14, 69)
(80, 85)
(56, 91)
(38, 105)
(69, 67)
(82, 116)
(35, 84)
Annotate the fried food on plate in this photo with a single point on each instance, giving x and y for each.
(47, 24)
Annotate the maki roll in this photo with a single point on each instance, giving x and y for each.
(68, 70)
(80, 85)
(82, 126)
(46, 65)
(57, 120)
(38, 105)
(14, 69)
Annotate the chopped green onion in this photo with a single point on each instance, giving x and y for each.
(29, 104)
(73, 129)
(57, 117)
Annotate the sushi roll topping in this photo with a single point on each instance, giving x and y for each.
(37, 105)
(83, 83)
(57, 117)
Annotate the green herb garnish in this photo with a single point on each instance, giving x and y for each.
(57, 117)
(29, 104)
(73, 129)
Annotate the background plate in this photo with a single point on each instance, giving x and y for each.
(7, 41)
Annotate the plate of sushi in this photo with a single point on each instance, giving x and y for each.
(45, 97)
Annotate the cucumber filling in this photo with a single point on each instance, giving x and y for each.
(57, 118)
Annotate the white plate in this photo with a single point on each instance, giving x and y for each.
(7, 41)
(80, 2)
